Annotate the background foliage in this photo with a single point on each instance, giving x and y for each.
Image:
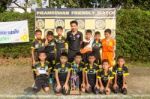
(133, 35)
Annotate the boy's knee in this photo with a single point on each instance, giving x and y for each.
(107, 91)
(124, 91)
(96, 90)
(65, 92)
(89, 90)
(46, 89)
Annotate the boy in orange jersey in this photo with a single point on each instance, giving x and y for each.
(108, 47)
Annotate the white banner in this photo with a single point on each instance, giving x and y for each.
(14, 32)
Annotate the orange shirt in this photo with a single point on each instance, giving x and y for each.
(108, 45)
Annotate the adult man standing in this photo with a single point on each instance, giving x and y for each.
(74, 39)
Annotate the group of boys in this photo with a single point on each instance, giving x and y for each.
(58, 57)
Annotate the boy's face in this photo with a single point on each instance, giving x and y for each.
(42, 56)
(38, 35)
(105, 65)
(50, 37)
(121, 62)
(63, 59)
(97, 37)
(74, 27)
(59, 31)
(78, 59)
(88, 36)
(91, 59)
(107, 35)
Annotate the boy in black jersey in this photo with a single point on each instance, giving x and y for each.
(61, 45)
(37, 46)
(86, 47)
(104, 78)
(42, 70)
(96, 46)
(120, 71)
(62, 75)
(77, 68)
(50, 47)
(90, 75)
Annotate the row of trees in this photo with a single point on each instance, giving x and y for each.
(142, 4)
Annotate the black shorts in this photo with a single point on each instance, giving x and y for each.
(41, 82)
(71, 54)
(104, 83)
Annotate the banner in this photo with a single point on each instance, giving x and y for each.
(14, 32)
(96, 19)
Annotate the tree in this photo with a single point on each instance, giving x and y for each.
(26, 4)
(3, 4)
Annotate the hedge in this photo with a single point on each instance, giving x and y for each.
(18, 49)
(132, 35)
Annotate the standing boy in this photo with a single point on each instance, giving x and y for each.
(50, 47)
(37, 46)
(86, 47)
(74, 40)
(108, 47)
(96, 46)
(61, 45)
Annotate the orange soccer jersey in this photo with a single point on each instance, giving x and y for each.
(108, 50)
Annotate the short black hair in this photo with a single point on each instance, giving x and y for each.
(91, 54)
(64, 54)
(41, 52)
(38, 31)
(120, 57)
(108, 31)
(97, 33)
(78, 54)
(88, 31)
(105, 61)
(50, 33)
(74, 21)
(59, 27)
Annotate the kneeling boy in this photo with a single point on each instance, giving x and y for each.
(62, 75)
(120, 71)
(90, 74)
(42, 70)
(104, 78)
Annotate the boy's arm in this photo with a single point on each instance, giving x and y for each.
(68, 76)
(32, 56)
(126, 73)
(56, 77)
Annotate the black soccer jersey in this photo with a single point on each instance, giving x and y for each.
(74, 41)
(120, 71)
(105, 76)
(91, 71)
(50, 48)
(62, 71)
(38, 45)
(42, 68)
(60, 42)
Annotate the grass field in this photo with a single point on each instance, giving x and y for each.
(16, 79)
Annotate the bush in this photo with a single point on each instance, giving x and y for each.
(133, 35)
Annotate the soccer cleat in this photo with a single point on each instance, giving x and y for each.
(124, 91)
